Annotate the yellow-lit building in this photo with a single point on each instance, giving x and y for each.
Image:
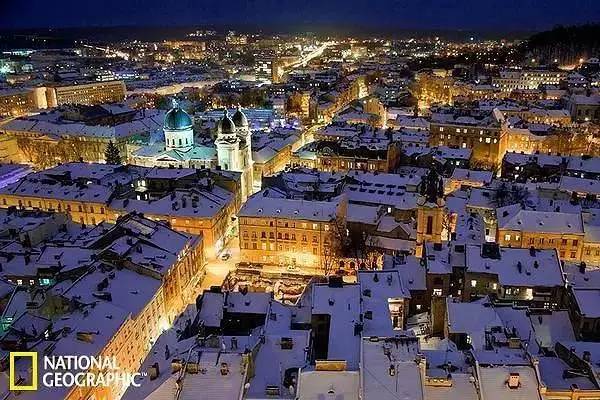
(591, 242)
(168, 289)
(281, 231)
(541, 230)
(206, 210)
(15, 102)
(485, 135)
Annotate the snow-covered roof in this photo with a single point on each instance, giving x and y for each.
(379, 384)
(262, 205)
(473, 319)
(518, 267)
(319, 384)
(343, 306)
(363, 214)
(379, 289)
(462, 174)
(493, 383)
(515, 218)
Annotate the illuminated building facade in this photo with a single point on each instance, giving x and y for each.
(281, 231)
(509, 80)
(88, 195)
(88, 93)
(485, 135)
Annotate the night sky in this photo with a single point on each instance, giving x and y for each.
(503, 15)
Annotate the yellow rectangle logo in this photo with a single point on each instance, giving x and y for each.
(34, 370)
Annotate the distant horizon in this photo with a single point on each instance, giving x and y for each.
(371, 15)
(83, 32)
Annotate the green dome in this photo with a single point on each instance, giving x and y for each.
(177, 119)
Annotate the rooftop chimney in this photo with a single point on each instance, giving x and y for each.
(514, 380)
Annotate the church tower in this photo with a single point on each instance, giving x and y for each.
(178, 129)
(228, 145)
(245, 136)
(430, 211)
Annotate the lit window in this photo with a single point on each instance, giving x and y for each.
(507, 236)
(488, 140)
(473, 283)
(437, 292)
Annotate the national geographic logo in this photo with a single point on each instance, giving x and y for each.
(12, 384)
(69, 371)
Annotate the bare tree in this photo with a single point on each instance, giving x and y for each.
(334, 246)
(509, 193)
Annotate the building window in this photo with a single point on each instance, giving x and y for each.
(437, 292)
(473, 283)
(507, 237)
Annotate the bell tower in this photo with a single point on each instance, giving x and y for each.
(228, 144)
(430, 211)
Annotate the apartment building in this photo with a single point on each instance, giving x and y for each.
(93, 193)
(484, 133)
(541, 230)
(277, 230)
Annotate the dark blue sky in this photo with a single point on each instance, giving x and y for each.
(402, 14)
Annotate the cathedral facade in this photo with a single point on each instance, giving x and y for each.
(230, 149)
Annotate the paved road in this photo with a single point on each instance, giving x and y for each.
(217, 269)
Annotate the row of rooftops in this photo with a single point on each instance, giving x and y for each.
(572, 164)
(114, 186)
(75, 265)
(53, 124)
(365, 355)
(34, 240)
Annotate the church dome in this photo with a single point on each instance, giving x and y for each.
(226, 124)
(177, 119)
(239, 119)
